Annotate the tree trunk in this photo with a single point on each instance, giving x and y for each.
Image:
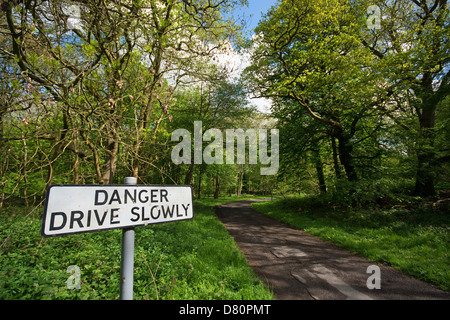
(25, 161)
(319, 168)
(3, 170)
(200, 174)
(57, 148)
(76, 164)
(426, 112)
(190, 173)
(424, 185)
(217, 189)
(111, 162)
(299, 187)
(346, 157)
(240, 181)
(337, 168)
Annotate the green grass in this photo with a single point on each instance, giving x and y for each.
(194, 259)
(414, 240)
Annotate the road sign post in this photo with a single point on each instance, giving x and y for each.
(72, 209)
(127, 262)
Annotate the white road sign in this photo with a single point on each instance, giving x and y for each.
(86, 208)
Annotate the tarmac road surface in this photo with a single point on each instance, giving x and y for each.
(298, 266)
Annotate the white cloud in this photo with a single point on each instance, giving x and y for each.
(232, 61)
(235, 63)
(262, 104)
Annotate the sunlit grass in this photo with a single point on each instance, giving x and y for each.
(194, 259)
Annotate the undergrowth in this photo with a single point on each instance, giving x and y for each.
(194, 259)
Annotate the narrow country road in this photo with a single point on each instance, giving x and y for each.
(296, 265)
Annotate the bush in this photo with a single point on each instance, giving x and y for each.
(363, 193)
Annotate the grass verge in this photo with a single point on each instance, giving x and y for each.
(413, 240)
(192, 260)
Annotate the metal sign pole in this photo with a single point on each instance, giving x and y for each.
(127, 263)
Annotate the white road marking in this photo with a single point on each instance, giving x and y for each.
(327, 275)
(288, 252)
(319, 271)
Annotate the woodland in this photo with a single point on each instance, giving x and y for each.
(92, 91)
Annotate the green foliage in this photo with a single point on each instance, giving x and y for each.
(363, 118)
(371, 193)
(379, 93)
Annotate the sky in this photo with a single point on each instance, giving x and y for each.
(251, 14)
